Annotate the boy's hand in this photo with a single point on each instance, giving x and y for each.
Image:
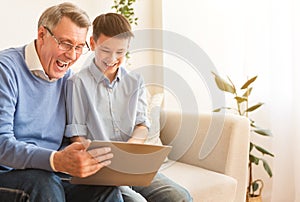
(139, 134)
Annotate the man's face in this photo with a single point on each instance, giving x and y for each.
(54, 60)
(109, 52)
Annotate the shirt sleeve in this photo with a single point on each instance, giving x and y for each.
(142, 114)
(76, 108)
(52, 161)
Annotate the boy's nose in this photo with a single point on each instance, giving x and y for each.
(112, 58)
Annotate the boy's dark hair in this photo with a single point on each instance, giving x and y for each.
(111, 25)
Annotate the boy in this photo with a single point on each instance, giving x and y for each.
(105, 102)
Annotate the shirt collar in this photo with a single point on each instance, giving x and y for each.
(33, 62)
(31, 58)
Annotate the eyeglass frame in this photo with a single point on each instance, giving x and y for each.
(77, 48)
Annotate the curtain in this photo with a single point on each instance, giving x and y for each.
(284, 94)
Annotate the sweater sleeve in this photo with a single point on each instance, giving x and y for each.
(14, 153)
(20, 155)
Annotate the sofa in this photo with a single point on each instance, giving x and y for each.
(209, 155)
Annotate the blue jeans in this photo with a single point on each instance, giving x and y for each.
(32, 185)
(163, 189)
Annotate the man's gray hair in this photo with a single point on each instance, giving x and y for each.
(52, 15)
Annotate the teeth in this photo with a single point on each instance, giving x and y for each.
(111, 65)
(62, 64)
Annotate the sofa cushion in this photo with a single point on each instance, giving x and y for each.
(216, 187)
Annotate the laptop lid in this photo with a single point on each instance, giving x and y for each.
(132, 164)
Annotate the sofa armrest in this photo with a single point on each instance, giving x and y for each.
(217, 142)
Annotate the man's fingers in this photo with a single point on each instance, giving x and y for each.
(86, 142)
(105, 163)
(75, 146)
(102, 155)
(103, 158)
(99, 151)
(76, 161)
(90, 170)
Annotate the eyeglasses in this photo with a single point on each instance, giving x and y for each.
(65, 46)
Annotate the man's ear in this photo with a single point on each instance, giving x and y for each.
(41, 33)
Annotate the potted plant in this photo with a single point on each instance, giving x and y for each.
(242, 108)
(125, 8)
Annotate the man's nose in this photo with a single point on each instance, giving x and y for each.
(72, 54)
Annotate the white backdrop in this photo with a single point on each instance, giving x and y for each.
(244, 39)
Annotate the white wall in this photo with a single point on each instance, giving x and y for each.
(19, 18)
(223, 30)
(236, 36)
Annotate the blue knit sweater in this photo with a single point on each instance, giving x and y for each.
(32, 114)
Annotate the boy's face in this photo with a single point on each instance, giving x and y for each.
(109, 52)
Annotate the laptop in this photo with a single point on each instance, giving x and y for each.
(132, 164)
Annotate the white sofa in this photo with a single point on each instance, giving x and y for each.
(209, 155)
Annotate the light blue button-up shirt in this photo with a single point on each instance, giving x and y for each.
(102, 110)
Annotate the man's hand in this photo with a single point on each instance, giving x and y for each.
(76, 161)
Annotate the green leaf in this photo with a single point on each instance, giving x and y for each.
(254, 107)
(240, 99)
(253, 159)
(223, 85)
(124, 7)
(255, 186)
(251, 146)
(248, 82)
(232, 84)
(252, 122)
(264, 132)
(248, 92)
(267, 167)
(217, 110)
(253, 125)
(263, 151)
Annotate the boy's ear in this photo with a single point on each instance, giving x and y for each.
(92, 43)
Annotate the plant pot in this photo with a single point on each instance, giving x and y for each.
(256, 197)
